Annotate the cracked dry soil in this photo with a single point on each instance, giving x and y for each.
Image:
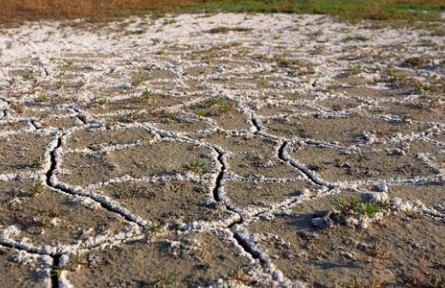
(170, 153)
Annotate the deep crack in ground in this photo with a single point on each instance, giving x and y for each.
(56, 272)
(220, 177)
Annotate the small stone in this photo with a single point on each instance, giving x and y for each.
(351, 221)
(347, 255)
(278, 275)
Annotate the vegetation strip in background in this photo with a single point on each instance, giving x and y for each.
(103, 10)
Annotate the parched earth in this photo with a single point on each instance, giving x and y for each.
(206, 150)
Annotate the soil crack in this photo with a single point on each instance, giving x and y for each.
(218, 182)
(21, 248)
(53, 165)
(55, 271)
(62, 188)
(255, 124)
(310, 176)
(246, 247)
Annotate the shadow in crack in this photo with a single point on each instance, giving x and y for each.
(304, 221)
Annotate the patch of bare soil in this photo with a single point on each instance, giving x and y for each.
(381, 161)
(165, 202)
(189, 259)
(45, 217)
(15, 273)
(389, 253)
(23, 152)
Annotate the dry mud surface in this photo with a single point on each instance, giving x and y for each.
(204, 150)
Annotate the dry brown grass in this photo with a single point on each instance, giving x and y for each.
(19, 10)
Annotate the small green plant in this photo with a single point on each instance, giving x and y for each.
(219, 30)
(153, 231)
(200, 113)
(76, 260)
(139, 79)
(354, 70)
(99, 101)
(28, 76)
(355, 283)
(166, 281)
(169, 21)
(155, 228)
(400, 78)
(356, 38)
(220, 104)
(168, 116)
(197, 166)
(36, 162)
(355, 205)
(420, 88)
(369, 208)
(311, 69)
(415, 62)
(147, 97)
(407, 118)
(332, 87)
(208, 55)
(346, 205)
(37, 187)
(4, 219)
(261, 82)
(283, 61)
(42, 98)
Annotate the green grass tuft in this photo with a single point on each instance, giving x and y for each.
(37, 187)
(354, 205)
(220, 104)
(197, 166)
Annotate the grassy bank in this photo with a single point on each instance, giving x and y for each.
(412, 10)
